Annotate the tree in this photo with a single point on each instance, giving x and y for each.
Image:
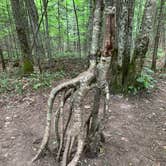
(127, 62)
(141, 44)
(78, 129)
(2, 60)
(34, 20)
(20, 23)
(157, 35)
(78, 30)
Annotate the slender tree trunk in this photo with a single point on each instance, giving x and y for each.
(67, 27)
(48, 43)
(12, 30)
(59, 28)
(78, 30)
(164, 44)
(2, 60)
(139, 16)
(22, 36)
(90, 26)
(157, 36)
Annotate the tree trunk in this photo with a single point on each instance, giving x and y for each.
(27, 63)
(78, 30)
(164, 44)
(2, 60)
(60, 48)
(141, 45)
(48, 43)
(34, 18)
(157, 36)
(122, 46)
(127, 42)
(67, 28)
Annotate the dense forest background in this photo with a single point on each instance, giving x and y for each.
(35, 33)
(63, 28)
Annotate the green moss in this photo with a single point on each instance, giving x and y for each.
(27, 66)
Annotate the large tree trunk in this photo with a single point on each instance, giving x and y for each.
(126, 68)
(18, 15)
(34, 19)
(127, 42)
(141, 45)
(123, 43)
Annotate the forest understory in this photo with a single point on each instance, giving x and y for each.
(135, 129)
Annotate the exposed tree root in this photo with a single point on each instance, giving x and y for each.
(75, 128)
(73, 133)
(66, 86)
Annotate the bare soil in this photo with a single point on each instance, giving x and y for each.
(135, 130)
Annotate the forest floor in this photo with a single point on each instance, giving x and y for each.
(135, 129)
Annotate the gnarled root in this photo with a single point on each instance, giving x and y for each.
(81, 83)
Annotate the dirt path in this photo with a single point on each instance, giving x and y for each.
(135, 130)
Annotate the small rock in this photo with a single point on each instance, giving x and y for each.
(124, 139)
(8, 118)
(6, 124)
(35, 149)
(109, 110)
(13, 137)
(87, 107)
(6, 155)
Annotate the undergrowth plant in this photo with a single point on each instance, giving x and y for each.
(14, 83)
(145, 81)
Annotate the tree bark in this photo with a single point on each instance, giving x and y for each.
(141, 45)
(78, 30)
(48, 43)
(67, 27)
(157, 36)
(18, 14)
(34, 18)
(2, 60)
(127, 42)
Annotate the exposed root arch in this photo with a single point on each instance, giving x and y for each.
(74, 135)
(85, 77)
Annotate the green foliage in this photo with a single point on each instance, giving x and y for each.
(14, 83)
(160, 53)
(8, 84)
(43, 80)
(145, 81)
